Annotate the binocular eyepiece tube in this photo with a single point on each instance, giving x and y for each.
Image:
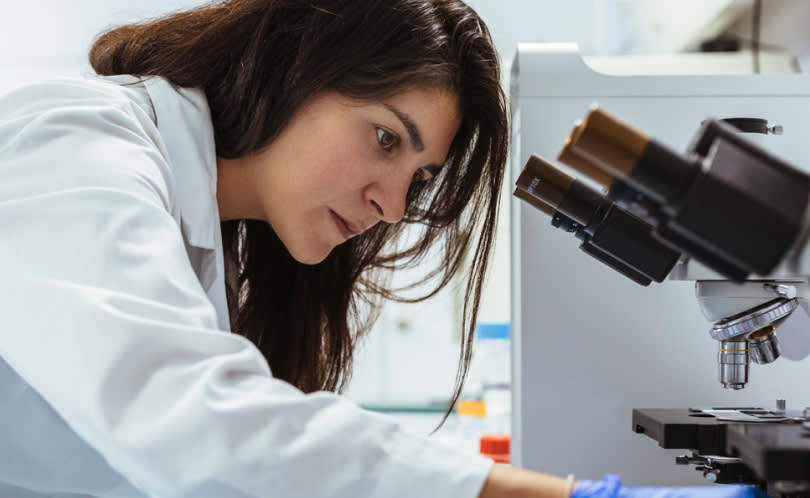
(613, 236)
(543, 182)
(707, 202)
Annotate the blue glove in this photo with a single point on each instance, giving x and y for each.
(710, 491)
(611, 487)
(606, 488)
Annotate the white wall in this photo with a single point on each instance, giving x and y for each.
(50, 38)
(784, 24)
(511, 21)
(55, 28)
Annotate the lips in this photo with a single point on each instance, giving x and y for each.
(347, 228)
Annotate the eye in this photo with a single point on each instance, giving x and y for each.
(386, 139)
(425, 174)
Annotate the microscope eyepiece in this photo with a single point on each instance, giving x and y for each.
(583, 163)
(615, 148)
(611, 235)
(707, 202)
(525, 194)
(604, 143)
(554, 187)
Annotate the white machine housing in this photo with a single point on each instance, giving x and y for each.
(590, 345)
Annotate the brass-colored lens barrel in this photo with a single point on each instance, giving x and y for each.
(603, 148)
(557, 189)
(586, 167)
(542, 185)
(763, 346)
(545, 181)
(534, 201)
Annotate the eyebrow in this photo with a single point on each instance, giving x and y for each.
(410, 126)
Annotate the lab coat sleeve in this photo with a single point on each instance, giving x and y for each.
(106, 320)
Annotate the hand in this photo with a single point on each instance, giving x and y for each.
(606, 488)
(710, 491)
(611, 487)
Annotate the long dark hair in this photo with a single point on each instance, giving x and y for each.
(258, 61)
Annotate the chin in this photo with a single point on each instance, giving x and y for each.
(308, 256)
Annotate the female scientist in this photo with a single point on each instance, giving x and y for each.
(248, 165)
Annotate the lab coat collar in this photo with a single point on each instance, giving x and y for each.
(183, 118)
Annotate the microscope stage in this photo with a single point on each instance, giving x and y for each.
(679, 429)
(774, 451)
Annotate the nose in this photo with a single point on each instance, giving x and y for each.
(387, 198)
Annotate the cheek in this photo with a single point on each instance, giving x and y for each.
(344, 163)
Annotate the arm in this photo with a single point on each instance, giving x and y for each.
(507, 482)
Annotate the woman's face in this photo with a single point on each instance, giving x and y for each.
(341, 166)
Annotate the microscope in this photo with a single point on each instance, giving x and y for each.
(728, 215)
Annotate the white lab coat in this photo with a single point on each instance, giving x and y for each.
(118, 377)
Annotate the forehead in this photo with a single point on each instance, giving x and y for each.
(435, 111)
(433, 102)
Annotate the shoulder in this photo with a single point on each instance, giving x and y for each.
(74, 94)
(80, 133)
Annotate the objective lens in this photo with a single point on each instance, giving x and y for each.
(732, 361)
(764, 345)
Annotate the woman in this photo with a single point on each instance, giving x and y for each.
(246, 166)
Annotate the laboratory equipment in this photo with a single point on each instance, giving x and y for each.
(491, 362)
(726, 202)
(742, 212)
(496, 447)
(593, 346)
(609, 234)
(485, 406)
